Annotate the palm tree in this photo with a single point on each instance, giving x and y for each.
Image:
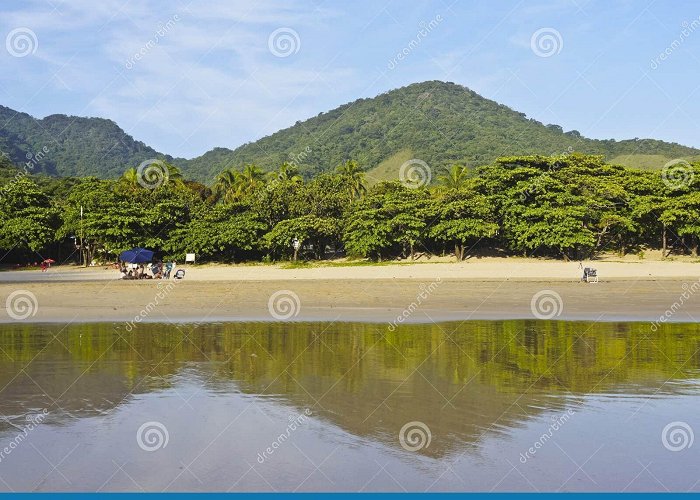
(160, 173)
(174, 174)
(454, 178)
(355, 178)
(225, 186)
(250, 179)
(130, 179)
(287, 172)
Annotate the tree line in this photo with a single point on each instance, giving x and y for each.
(570, 206)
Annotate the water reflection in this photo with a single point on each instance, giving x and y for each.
(467, 382)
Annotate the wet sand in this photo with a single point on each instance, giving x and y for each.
(371, 300)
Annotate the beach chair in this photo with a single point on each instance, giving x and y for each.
(590, 275)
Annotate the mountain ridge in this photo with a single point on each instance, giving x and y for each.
(438, 122)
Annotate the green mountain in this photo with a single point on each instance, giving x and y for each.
(440, 123)
(437, 122)
(61, 145)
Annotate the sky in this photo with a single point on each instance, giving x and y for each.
(186, 76)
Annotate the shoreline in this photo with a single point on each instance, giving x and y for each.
(478, 269)
(367, 300)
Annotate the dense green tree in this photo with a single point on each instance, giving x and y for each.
(307, 229)
(570, 206)
(390, 216)
(224, 231)
(105, 220)
(462, 216)
(27, 218)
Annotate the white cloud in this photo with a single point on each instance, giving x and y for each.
(188, 83)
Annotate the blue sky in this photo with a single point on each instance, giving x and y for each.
(209, 73)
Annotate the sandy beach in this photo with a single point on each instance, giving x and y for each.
(488, 288)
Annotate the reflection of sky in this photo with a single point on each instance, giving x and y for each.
(227, 392)
(214, 439)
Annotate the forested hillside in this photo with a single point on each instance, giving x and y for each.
(439, 123)
(70, 145)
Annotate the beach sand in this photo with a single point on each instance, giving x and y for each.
(489, 288)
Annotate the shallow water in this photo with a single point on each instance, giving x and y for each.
(514, 405)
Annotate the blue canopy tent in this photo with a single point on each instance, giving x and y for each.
(136, 256)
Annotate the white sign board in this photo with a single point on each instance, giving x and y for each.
(189, 257)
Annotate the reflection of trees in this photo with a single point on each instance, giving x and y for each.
(460, 379)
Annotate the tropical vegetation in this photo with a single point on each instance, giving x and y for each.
(567, 206)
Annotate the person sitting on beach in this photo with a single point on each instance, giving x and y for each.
(155, 270)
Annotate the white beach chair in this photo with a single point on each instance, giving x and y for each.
(591, 275)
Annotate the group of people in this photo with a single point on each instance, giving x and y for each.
(158, 270)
